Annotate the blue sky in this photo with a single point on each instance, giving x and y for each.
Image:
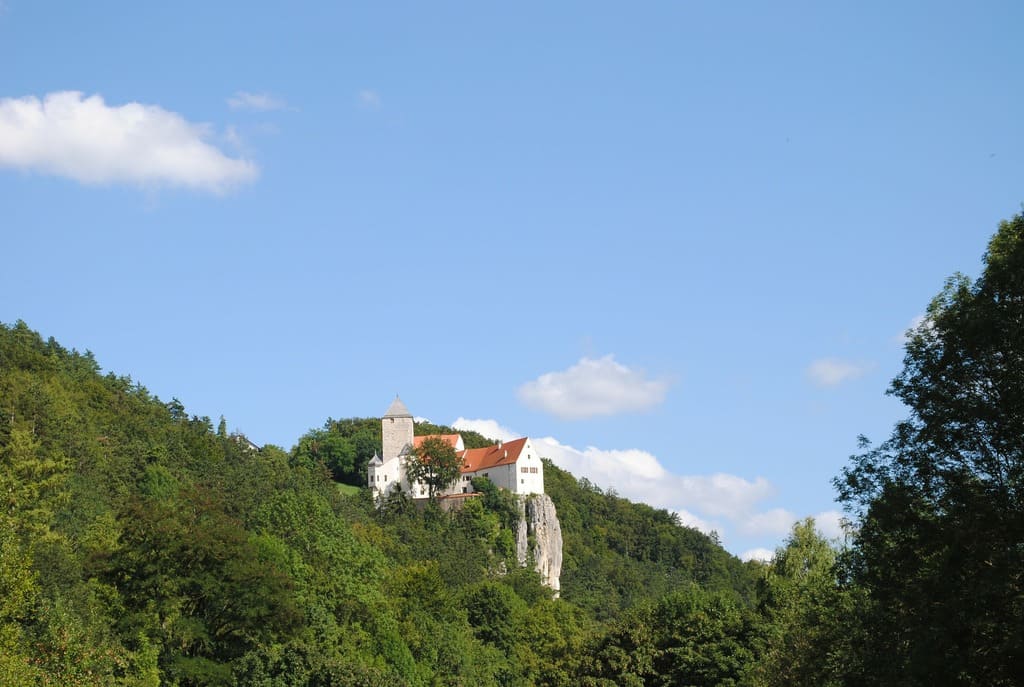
(677, 241)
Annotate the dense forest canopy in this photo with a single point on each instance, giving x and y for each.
(140, 546)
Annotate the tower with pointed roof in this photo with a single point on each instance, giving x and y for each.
(385, 473)
(396, 430)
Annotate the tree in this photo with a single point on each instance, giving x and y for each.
(692, 636)
(802, 615)
(940, 544)
(335, 451)
(18, 590)
(433, 463)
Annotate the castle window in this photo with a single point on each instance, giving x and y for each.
(525, 469)
(533, 470)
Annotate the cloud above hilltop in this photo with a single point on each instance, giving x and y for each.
(488, 428)
(83, 138)
(758, 554)
(593, 387)
(733, 506)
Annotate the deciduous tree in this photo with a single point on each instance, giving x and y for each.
(802, 614)
(433, 463)
(940, 545)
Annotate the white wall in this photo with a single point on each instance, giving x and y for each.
(532, 480)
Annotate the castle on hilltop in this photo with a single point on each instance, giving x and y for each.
(511, 465)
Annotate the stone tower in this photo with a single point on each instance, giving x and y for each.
(396, 430)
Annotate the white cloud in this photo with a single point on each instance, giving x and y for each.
(84, 139)
(261, 102)
(829, 523)
(639, 476)
(488, 428)
(759, 554)
(732, 506)
(777, 521)
(827, 372)
(688, 519)
(591, 388)
(369, 99)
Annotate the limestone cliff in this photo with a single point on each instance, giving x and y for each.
(538, 522)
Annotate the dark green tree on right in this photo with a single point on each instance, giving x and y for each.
(939, 546)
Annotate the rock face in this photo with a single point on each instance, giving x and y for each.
(539, 521)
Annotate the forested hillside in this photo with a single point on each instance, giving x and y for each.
(141, 546)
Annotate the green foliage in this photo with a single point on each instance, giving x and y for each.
(141, 546)
(937, 551)
(618, 553)
(690, 637)
(494, 610)
(18, 592)
(497, 501)
(335, 451)
(804, 614)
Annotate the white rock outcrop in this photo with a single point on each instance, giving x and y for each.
(539, 521)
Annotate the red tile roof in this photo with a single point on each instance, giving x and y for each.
(476, 459)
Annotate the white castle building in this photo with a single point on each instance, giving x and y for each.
(512, 465)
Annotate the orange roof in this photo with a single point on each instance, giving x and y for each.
(450, 439)
(476, 459)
